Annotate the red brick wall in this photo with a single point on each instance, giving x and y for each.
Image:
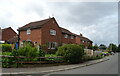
(35, 36)
(86, 44)
(46, 37)
(8, 33)
(67, 40)
(77, 40)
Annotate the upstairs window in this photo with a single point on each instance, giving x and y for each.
(72, 37)
(52, 32)
(82, 41)
(28, 31)
(66, 36)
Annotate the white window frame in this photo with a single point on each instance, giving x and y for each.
(83, 41)
(52, 45)
(72, 37)
(28, 31)
(52, 32)
(49, 45)
(21, 44)
(66, 35)
(35, 43)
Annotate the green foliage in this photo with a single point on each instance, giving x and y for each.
(118, 50)
(50, 55)
(87, 58)
(112, 47)
(72, 53)
(95, 47)
(41, 53)
(90, 47)
(82, 46)
(5, 53)
(31, 54)
(102, 47)
(27, 51)
(6, 47)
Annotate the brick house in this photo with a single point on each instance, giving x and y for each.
(47, 32)
(67, 36)
(85, 41)
(8, 34)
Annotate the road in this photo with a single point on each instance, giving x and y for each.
(107, 67)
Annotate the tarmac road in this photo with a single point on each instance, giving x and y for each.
(107, 67)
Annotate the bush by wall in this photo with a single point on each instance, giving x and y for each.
(27, 51)
(31, 54)
(72, 53)
(6, 47)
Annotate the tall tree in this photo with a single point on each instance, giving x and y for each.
(112, 47)
(118, 50)
(95, 47)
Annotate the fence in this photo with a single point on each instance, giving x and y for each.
(9, 61)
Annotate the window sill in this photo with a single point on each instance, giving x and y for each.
(52, 48)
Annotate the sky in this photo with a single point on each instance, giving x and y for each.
(96, 20)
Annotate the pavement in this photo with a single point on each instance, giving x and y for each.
(50, 69)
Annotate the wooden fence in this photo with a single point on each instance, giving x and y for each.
(26, 60)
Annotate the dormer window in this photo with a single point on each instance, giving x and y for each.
(28, 31)
(66, 36)
(52, 32)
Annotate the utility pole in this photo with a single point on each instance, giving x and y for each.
(111, 47)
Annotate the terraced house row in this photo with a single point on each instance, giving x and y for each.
(48, 32)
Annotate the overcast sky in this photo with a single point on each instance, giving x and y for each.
(96, 20)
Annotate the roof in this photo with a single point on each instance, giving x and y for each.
(66, 31)
(84, 38)
(8, 33)
(13, 40)
(5, 29)
(37, 24)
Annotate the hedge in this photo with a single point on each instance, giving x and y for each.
(6, 47)
(72, 53)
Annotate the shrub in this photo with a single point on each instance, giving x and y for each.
(87, 58)
(31, 54)
(41, 53)
(27, 51)
(6, 47)
(72, 53)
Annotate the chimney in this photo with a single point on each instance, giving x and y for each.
(81, 34)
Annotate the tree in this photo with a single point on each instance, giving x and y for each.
(95, 47)
(112, 47)
(118, 50)
(81, 45)
(102, 47)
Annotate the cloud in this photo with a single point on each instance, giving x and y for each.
(95, 20)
